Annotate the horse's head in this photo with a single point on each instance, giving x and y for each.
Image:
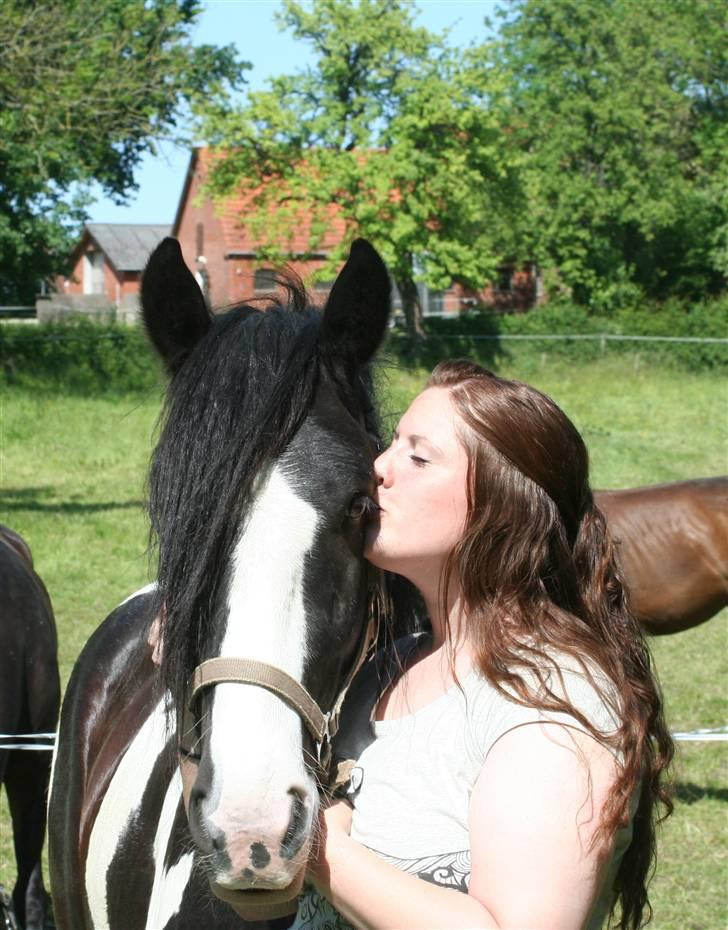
(259, 494)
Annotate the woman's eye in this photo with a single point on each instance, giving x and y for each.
(419, 462)
(360, 506)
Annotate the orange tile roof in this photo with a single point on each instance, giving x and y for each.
(238, 238)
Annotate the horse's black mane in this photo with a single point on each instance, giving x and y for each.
(231, 409)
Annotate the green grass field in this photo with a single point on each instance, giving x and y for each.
(72, 476)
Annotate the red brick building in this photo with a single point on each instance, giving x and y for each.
(109, 259)
(221, 252)
(223, 256)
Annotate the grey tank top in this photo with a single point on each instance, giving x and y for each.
(414, 776)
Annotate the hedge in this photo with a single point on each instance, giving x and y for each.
(82, 356)
(479, 333)
(79, 357)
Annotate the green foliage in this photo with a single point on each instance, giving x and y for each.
(480, 334)
(588, 137)
(392, 127)
(85, 90)
(79, 357)
(619, 111)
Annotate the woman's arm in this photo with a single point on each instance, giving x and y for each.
(374, 895)
(533, 815)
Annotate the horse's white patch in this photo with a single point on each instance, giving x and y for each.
(169, 886)
(256, 738)
(145, 590)
(121, 800)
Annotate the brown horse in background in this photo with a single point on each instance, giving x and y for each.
(672, 542)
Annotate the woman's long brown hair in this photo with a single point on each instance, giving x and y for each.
(537, 570)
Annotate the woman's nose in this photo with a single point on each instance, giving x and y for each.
(381, 470)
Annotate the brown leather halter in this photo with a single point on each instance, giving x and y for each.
(322, 726)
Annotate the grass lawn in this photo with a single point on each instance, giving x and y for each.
(72, 475)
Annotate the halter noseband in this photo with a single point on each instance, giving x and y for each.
(322, 726)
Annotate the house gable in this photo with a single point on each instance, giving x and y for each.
(108, 261)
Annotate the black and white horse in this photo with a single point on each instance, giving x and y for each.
(29, 701)
(259, 492)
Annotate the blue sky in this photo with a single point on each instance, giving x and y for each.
(249, 25)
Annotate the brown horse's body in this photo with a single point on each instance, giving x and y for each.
(672, 542)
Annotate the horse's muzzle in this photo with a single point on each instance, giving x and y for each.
(262, 905)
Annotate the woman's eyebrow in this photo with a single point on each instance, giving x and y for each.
(415, 438)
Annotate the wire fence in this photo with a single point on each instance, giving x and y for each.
(54, 335)
(46, 741)
(600, 337)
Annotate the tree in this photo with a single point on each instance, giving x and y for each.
(389, 125)
(618, 110)
(86, 88)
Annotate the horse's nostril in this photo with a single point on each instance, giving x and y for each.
(296, 832)
(259, 856)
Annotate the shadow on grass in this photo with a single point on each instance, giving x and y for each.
(690, 793)
(28, 499)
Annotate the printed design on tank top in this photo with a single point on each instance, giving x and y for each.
(448, 870)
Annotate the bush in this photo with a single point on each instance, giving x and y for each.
(80, 357)
(479, 334)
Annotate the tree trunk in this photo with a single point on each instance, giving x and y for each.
(412, 310)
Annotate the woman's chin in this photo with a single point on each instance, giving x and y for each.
(373, 552)
(371, 538)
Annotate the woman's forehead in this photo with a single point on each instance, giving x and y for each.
(431, 415)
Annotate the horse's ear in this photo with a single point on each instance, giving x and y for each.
(174, 310)
(357, 311)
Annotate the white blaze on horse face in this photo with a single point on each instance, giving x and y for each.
(256, 747)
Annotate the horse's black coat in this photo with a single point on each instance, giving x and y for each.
(29, 701)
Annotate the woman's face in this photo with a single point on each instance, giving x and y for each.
(422, 492)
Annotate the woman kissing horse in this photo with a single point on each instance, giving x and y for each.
(29, 701)
(181, 799)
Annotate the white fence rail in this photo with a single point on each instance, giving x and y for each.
(46, 741)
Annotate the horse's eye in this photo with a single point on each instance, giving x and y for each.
(361, 505)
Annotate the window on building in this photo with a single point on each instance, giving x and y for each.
(93, 273)
(265, 281)
(504, 281)
(435, 303)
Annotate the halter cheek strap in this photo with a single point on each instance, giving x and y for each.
(322, 727)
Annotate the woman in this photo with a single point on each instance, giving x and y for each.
(518, 748)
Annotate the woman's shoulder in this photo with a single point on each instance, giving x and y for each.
(557, 679)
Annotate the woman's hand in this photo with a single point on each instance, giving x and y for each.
(337, 817)
(334, 825)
